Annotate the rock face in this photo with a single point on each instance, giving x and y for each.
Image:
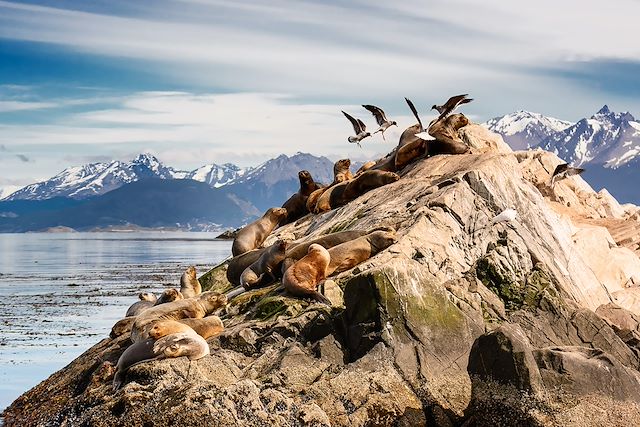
(459, 322)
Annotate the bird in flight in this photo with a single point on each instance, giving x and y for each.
(359, 128)
(451, 104)
(563, 171)
(422, 134)
(381, 118)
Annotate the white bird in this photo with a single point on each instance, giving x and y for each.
(359, 128)
(506, 215)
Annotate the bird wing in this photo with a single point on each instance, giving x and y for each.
(362, 126)
(574, 171)
(560, 168)
(455, 100)
(415, 113)
(377, 113)
(355, 123)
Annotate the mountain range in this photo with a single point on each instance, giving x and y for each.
(146, 193)
(607, 145)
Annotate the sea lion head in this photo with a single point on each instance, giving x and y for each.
(170, 295)
(457, 121)
(305, 178)
(212, 300)
(317, 249)
(341, 165)
(147, 296)
(281, 245)
(381, 240)
(277, 213)
(191, 271)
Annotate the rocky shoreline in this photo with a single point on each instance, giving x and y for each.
(534, 322)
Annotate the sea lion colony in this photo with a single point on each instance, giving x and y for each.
(179, 322)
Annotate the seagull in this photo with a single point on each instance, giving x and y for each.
(563, 171)
(507, 215)
(380, 118)
(359, 128)
(422, 134)
(448, 107)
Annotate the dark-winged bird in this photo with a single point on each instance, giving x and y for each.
(422, 134)
(380, 118)
(453, 102)
(563, 171)
(359, 128)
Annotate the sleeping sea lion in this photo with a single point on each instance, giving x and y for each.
(303, 277)
(189, 284)
(252, 236)
(296, 205)
(198, 307)
(239, 263)
(445, 131)
(169, 295)
(349, 254)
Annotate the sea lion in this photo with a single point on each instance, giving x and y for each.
(365, 182)
(197, 307)
(302, 278)
(409, 135)
(169, 295)
(206, 327)
(136, 353)
(189, 284)
(298, 250)
(349, 254)
(188, 344)
(263, 271)
(122, 326)
(331, 198)
(409, 152)
(365, 167)
(445, 132)
(296, 205)
(341, 171)
(239, 263)
(147, 300)
(252, 235)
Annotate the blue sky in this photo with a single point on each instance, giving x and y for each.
(201, 81)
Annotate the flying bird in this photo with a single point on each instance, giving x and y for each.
(359, 128)
(451, 104)
(380, 118)
(563, 171)
(506, 215)
(422, 134)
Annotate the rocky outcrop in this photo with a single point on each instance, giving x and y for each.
(460, 322)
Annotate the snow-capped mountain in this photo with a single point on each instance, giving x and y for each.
(524, 129)
(608, 138)
(81, 182)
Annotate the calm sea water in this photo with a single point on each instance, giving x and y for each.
(61, 293)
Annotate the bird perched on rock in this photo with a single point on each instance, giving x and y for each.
(563, 171)
(359, 128)
(423, 133)
(506, 215)
(451, 104)
(380, 118)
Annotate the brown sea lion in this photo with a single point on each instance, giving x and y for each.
(331, 198)
(264, 270)
(313, 199)
(409, 135)
(303, 277)
(349, 254)
(296, 205)
(365, 167)
(122, 326)
(341, 171)
(189, 284)
(298, 250)
(445, 131)
(239, 263)
(365, 182)
(198, 307)
(252, 235)
(206, 327)
(147, 300)
(409, 152)
(169, 295)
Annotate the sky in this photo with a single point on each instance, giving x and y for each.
(214, 81)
